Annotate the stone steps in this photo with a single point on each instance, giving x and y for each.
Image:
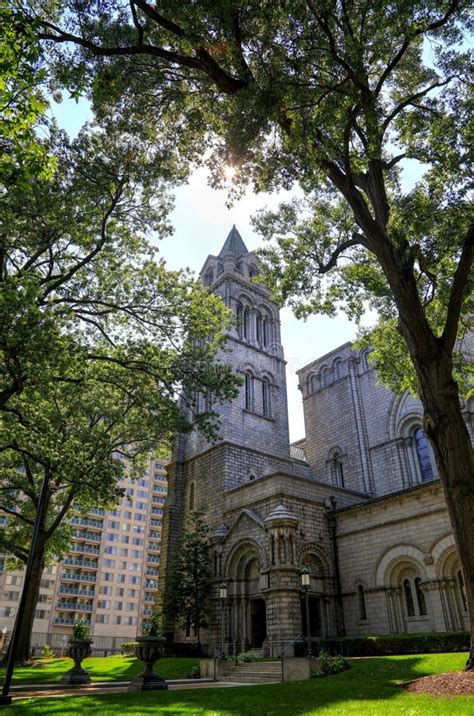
(253, 672)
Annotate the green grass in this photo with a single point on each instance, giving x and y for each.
(369, 688)
(110, 668)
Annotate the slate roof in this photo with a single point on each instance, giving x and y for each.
(233, 245)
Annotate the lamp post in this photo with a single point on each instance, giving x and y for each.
(305, 583)
(222, 597)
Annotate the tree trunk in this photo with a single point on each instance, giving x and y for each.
(445, 427)
(26, 627)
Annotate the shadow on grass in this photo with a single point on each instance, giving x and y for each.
(370, 687)
(112, 668)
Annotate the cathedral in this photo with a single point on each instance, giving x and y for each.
(356, 503)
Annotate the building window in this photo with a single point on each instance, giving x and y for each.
(191, 496)
(409, 603)
(324, 377)
(246, 325)
(424, 456)
(248, 391)
(266, 402)
(240, 319)
(361, 602)
(266, 332)
(259, 329)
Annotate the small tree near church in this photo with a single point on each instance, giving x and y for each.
(189, 583)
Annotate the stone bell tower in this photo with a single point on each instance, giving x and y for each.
(264, 512)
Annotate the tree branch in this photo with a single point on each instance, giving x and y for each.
(458, 288)
(408, 40)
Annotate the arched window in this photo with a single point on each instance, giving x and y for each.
(253, 271)
(246, 324)
(337, 467)
(266, 402)
(191, 496)
(259, 329)
(420, 597)
(337, 368)
(361, 602)
(248, 391)
(424, 456)
(266, 332)
(324, 377)
(409, 603)
(240, 319)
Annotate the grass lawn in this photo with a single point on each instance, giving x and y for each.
(370, 688)
(110, 668)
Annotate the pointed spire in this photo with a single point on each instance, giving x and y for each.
(233, 245)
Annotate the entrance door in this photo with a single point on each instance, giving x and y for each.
(258, 622)
(314, 616)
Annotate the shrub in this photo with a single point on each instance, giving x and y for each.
(187, 649)
(80, 630)
(331, 665)
(46, 651)
(195, 672)
(248, 656)
(153, 626)
(128, 648)
(426, 643)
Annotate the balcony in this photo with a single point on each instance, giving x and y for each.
(151, 571)
(153, 547)
(149, 598)
(73, 607)
(78, 577)
(85, 549)
(81, 562)
(153, 558)
(97, 511)
(151, 585)
(83, 534)
(69, 621)
(147, 612)
(76, 590)
(87, 522)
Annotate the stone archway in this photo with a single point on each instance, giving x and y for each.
(247, 605)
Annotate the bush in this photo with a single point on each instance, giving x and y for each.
(195, 672)
(46, 651)
(331, 665)
(426, 643)
(128, 648)
(248, 656)
(80, 630)
(175, 648)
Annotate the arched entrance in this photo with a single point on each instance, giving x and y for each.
(248, 612)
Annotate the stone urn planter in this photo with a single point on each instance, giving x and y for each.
(78, 650)
(148, 650)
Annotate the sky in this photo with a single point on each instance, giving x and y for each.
(201, 222)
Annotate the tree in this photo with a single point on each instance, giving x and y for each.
(188, 587)
(331, 96)
(98, 340)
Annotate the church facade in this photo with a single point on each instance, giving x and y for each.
(357, 502)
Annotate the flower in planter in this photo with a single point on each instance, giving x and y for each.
(80, 630)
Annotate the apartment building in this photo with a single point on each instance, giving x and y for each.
(109, 578)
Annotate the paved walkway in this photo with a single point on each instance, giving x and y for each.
(56, 690)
